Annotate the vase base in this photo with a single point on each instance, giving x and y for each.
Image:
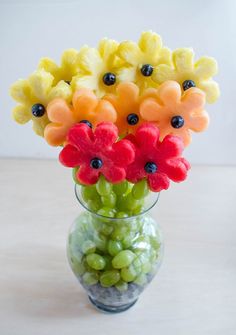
(111, 309)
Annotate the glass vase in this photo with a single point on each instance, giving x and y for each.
(114, 259)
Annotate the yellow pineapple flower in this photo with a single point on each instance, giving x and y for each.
(189, 73)
(33, 95)
(98, 68)
(67, 69)
(142, 60)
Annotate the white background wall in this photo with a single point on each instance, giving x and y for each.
(30, 29)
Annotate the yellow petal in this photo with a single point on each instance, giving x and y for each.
(107, 48)
(130, 53)
(162, 73)
(89, 60)
(211, 88)
(41, 83)
(205, 68)
(50, 66)
(39, 125)
(164, 56)
(81, 81)
(21, 92)
(150, 42)
(183, 59)
(61, 90)
(21, 114)
(69, 64)
(127, 74)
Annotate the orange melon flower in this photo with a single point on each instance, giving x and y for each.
(173, 112)
(126, 102)
(86, 107)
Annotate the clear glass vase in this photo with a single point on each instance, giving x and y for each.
(114, 259)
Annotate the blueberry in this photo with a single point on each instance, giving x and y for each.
(86, 122)
(132, 119)
(177, 121)
(38, 110)
(150, 167)
(109, 78)
(188, 84)
(96, 163)
(147, 70)
(67, 81)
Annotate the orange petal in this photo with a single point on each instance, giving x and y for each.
(199, 121)
(169, 93)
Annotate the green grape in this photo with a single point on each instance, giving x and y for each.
(114, 247)
(88, 247)
(121, 286)
(103, 186)
(140, 189)
(128, 274)
(119, 233)
(109, 278)
(137, 265)
(89, 192)
(154, 242)
(141, 279)
(128, 240)
(100, 241)
(77, 266)
(106, 229)
(90, 278)
(95, 261)
(120, 188)
(141, 243)
(139, 209)
(122, 215)
(94, 205)
(109, 200)
(146, 267)
(108, 260)
(75, 241)
(123, 259)
(106, 211)
(130, 202)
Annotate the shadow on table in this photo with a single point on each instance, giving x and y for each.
(41, 284)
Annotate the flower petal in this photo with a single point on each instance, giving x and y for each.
(107, 48)
(163, 73)
(183, 59)
(158, 181)
(21, 114)
(129, 52)
(115, 174)
(89, 60)
(135, 171)
(193, 99)
(170, 93)
(69, 64)
(205, 68)
(171, 146)
(176, 170)
(81, 136)
(211, 89)
(147, 135)
(61, 90)
(105, 134)
(127, 74)
(84, 81)
(123, 153)
(104, 112)
(41, 84)
(198, 121)
(70, 156)
(150, 43)
(39, 124)
(50, 66)
(87, 176)
(150, 110)
(21, 91)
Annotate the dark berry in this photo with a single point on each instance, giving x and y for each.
(96, 163)
(150, 167)
(109, 78)
(67, 81)
(177, 121)
(86, 122)
(132, 119)
(147, 70)
(38, 110)
(188, 84)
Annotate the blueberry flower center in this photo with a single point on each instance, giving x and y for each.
(109, 78)
(96, 163)
(87, 123)
(38, 110)
(147, 70)
(67, 81)
(150, 167)
(132, 119)
(177, 121)
(188, 84)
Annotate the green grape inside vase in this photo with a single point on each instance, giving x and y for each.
(122, 114)
(115, 247)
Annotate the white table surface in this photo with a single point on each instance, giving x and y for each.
(194, 292)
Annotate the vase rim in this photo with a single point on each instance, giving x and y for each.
(154, 195)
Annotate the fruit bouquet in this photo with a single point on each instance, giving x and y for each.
(123, 114)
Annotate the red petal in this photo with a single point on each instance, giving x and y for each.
(158, 181)
(176, 169)
(87, 176)
(105, 134)
(171, 146)
(81, 136)
(135, 171)
(114, 174)
(70, 156)
(147, 135)
(123, 153)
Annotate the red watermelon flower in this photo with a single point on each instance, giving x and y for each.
(157, 161)
(97, 153)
